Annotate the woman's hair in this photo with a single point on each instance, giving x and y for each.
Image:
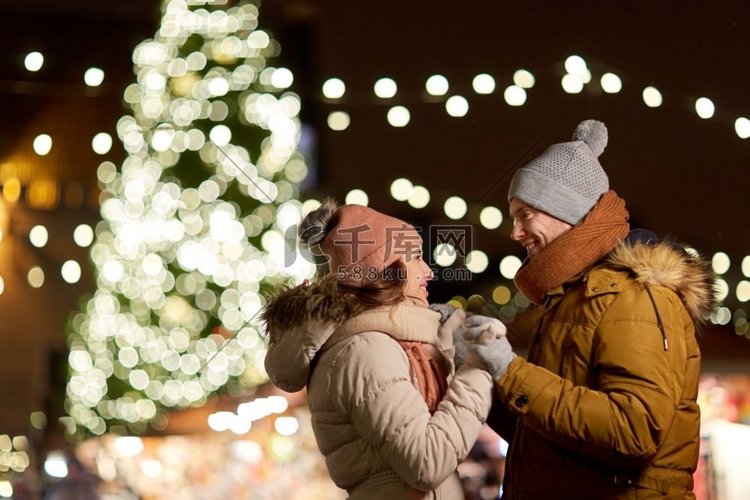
(316, 225)
(385, 290)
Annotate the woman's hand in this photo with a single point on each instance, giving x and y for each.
(476, 325)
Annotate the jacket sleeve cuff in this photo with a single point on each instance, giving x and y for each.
(521, 385)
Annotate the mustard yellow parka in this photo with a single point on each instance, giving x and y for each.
(605, 406)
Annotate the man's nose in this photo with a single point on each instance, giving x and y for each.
(517, 232)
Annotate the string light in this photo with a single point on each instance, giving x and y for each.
(652, 97)
(33, 61)
(398, 116)
(704, 107)
(437, 85)
(483, 84)
(338, 120)
(42, 144)
(93, 77)
(515, 95)
(334, 88)
(611, 83)
(457, 106)
(385, 88)
(577, 76)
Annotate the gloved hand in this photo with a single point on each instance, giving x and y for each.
(451, 327)
(445, 311)
(476, 325)
(491, 353)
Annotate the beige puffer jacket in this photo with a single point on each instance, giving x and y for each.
(370, 421)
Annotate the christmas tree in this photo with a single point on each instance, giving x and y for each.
(193, 223)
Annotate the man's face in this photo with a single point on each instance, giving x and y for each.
(533, 228)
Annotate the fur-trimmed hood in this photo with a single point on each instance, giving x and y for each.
(319, 301)
(666, 264)
(299, 321)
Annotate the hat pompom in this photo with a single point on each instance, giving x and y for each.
(316, 225)
(593, 133)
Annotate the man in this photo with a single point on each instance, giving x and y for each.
(605, 406)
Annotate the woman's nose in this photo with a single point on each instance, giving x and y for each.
(430, 274)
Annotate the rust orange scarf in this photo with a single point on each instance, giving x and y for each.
(431, 379)
(575, 251)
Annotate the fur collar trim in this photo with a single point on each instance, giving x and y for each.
(668, 265)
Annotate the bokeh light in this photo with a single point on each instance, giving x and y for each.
(35, 277)
(652, 97)
(398, 116)
(101, 143)
(71, 271)
(477, 261)
(444, 254)
(483, 84)
(491, 217)
(515, 95)
(704, 107)
(385, 88)
(572, 84)
(357, 197)
(455, 207)
(38, 236)
(611, 83)
(720, 262)
(437, 85)
(33, 61)
(334, 88)
(742, 127)
(401, 189)
(575, 65)
(524, 79)
(457, 106)
(419, 197)
(42, 144)
(338, 120)
(509, 266)
(93, 77)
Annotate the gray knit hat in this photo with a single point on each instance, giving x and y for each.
(566, 180)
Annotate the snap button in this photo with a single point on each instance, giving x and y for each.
(522, 400)
(613, 285)
(595, 289)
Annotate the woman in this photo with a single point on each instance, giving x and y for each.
(391, 418)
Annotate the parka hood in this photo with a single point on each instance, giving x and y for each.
(299, 321)
(319, 301)
(668, 265)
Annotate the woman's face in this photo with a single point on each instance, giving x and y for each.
(418, 273)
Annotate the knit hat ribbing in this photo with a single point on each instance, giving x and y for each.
(567, 179)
